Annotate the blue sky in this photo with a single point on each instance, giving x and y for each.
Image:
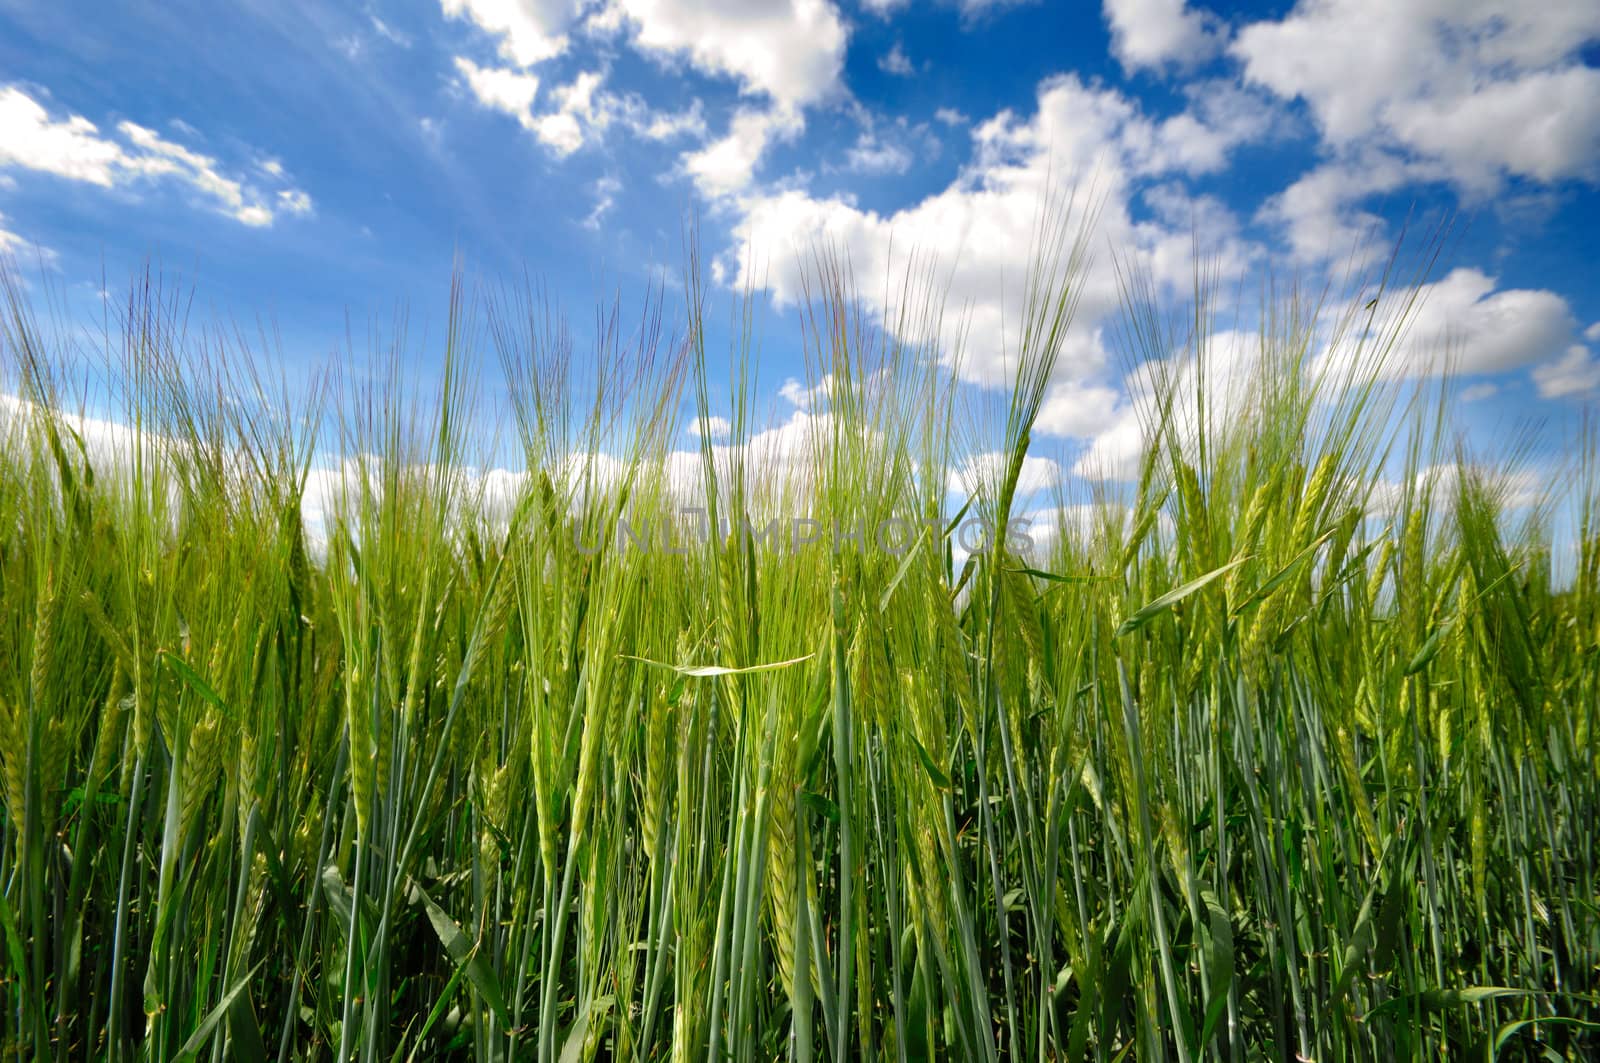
(314, 164)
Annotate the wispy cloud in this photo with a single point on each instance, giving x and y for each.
(74, 148)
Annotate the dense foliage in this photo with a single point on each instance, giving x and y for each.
(1287, 750)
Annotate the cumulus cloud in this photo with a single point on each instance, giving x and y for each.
(1079, 408)
(1441, 484)
(728, 165)
(1321, 213)
(983, 472)
(979, 228)
(1463, 323)
(788, 53)
(779, 460)
(580, 109)
(1576, 374)
(75, 148)
(500, 89)
(1151, 34)
(660, 125)
(1226, 376)
(711, 427)
(792, 51)
(527, 31)
(1488, 90)
(872, 155)
(575, 110)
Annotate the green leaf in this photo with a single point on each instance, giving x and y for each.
(1445, 999)
(705, 671)
(1261, 593)
(438, 1009)
(1216, 936)
(821, 805)
(1053, 577)
(464, 953)
(1511, 1029)
(940, 779)
(199, 685)
(197, 1040)
(244, 1032)
(8, 923)
(1429, 650)
(578, 1032)
(900, 573)
(1172, 597)
(814, 729)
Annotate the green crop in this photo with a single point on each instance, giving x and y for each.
(1287, 751)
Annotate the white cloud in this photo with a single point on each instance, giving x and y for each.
(873, 156)
(652, 124)
(728, 165)
(1576, 374)
(1479, 392)
(294, 201)
(605, 197)
(790, 50)
(950, 116)
(579, 97)
(1157, 33)
(1484, 90)
(9, 241)
(1441, 484)
(983, 472)
(1226, 376)
(1544, 125)
(577, 108)
(895, 62)
(559, 131)
(1592, 333)
(1115, 452)
(74, 148)
(1084, 524)
(501, 88)
(580, 109)
(803, 397)
(1077, 408)
(1321, 213)
(978, 230)
(14, 246)
(529, 31)
(1460, 322)
(711, 428)
(779, 461)
(1463, 323)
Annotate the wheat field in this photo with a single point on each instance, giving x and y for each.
(320, 742)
